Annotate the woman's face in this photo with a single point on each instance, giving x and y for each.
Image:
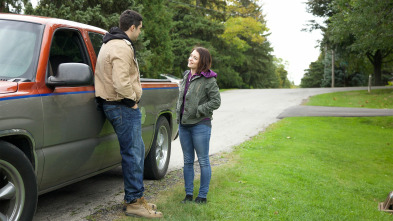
(193, 60)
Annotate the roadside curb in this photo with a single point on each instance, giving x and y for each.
(322, 111)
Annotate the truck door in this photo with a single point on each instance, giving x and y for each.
(71, 122)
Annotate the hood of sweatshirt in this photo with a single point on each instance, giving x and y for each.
(209, 74)
(115, 33)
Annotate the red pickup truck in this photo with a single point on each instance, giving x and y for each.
(51, 133)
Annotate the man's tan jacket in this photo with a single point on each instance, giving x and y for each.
(117, 72)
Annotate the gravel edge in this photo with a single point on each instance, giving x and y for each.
(153, 188)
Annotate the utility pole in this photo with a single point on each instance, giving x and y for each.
(332, 68)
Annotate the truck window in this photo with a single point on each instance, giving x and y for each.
(19, 50)
(67, 47)
(96, 41)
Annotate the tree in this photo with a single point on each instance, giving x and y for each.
(157, 23)
(238, 30)
(191, 28)
(282, 74)
(320, 8)
(13, 6)
(246, 24)
(100, 13)
(357, 29)
(234, 31)
(346, 73)
(313, 76)
(245, 34)
(367, 28)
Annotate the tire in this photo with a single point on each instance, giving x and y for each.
(18, 186)
(157, 161)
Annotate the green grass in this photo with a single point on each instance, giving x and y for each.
(228, 89)
(380, 98)
(301, 168)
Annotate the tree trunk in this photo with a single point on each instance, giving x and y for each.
(378, 68)
(376, 61)
(2, 6)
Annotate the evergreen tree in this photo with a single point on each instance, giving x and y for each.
(100, 13)
(313, 76)
(157, 23)
(234, 31)
(191, 28)
(245, 32)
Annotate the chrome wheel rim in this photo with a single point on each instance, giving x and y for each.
(162, 144)
(12, 192)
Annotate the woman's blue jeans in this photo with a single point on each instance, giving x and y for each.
(196, 138)
(128, 127)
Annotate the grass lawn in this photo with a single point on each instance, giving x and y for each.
(380, 98)
(301, 168)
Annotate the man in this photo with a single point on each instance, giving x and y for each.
(118, 90)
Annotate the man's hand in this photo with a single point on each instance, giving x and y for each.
(135, 106)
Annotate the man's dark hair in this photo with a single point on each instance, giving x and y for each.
(205, 59)
(129, 18)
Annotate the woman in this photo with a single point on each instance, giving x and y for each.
(199, 96)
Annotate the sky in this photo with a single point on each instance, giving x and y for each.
(286, 19)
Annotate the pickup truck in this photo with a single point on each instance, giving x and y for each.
(51, 132)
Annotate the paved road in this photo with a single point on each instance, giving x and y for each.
(243, 114)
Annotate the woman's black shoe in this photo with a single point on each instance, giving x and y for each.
(200, 200)
(187, 199)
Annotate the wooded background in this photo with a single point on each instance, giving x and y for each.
(359, 33)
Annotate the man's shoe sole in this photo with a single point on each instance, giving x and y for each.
(138, 216)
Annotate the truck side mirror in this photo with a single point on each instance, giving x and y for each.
(71, 75)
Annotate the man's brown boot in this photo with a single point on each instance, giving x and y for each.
(151, 205)
(140, 208)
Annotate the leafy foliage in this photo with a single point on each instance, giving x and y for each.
(313, 76)
(157, 22)
(239, 28)
(245, 33)
(358, 29)
(13, 6)
(234, 31)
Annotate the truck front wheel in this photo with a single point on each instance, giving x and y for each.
(157, 161)
(18, 187)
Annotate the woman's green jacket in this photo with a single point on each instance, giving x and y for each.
(203, 96)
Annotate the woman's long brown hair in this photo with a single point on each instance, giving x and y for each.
(205, 59)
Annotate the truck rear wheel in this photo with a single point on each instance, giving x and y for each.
(157, 161)
(18, 186)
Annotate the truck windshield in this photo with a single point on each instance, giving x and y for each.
(19, 50)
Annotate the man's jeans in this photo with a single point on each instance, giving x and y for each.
(127, 124)
(196, 138)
